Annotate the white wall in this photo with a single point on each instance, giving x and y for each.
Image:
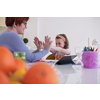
(31, 31)
(77, 29)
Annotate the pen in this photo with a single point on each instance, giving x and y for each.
(96, 49)
(85, 49)
(91, 49)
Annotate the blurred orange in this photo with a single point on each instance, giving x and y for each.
(3, 78)
(19, 64)
(40, 73)
(15, 82)
(7, 61)
(17, 76)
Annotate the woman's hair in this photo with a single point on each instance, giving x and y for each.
(9, 21)
(64, 38)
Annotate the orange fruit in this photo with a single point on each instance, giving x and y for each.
(19, 64)
(40, 73)
(3, 78)
(7, 61)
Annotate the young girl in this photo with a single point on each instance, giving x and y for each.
(62, 45)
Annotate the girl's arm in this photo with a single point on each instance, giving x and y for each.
(65, 51)
(52, 51)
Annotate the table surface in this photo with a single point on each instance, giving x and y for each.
(76, 74)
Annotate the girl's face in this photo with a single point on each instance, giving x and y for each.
(60, 43)
(21, 28)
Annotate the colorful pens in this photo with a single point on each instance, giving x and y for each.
(90, 49)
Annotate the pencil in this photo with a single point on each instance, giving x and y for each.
(96, 49)
(88, 42)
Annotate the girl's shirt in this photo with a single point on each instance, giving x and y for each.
(15, 44)
(59, 55)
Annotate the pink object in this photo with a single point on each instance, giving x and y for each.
(90, 59)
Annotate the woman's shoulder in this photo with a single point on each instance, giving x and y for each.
(10, 34)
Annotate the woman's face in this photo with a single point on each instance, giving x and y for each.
(60, 43)
(21, 28)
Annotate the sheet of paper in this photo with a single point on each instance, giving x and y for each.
(51, 62)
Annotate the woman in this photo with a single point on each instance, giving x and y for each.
(11, 39)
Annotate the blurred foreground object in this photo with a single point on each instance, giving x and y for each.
(21, 55)
(41, 73)
(7, 61)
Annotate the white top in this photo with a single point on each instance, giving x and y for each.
(59, 55)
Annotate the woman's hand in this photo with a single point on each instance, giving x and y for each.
(38, 43)
(48, 42)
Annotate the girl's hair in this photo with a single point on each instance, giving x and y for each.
(9, 21)
(64, 38)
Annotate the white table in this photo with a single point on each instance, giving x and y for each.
(76, 74)
(80, 75)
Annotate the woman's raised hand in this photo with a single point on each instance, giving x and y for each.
(38, 43)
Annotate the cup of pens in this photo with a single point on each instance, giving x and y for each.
(90, 58)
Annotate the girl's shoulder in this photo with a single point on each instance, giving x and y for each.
(68, 50)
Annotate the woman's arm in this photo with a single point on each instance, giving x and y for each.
(15, 43)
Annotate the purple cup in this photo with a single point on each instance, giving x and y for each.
(90, 59)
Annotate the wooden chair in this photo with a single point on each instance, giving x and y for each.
(51, 57)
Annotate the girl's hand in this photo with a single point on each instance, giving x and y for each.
(52, 50)
(38, 43)
(48, 42)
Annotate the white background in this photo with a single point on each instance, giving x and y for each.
(77, 29)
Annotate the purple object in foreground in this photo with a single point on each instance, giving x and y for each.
(90, 59)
